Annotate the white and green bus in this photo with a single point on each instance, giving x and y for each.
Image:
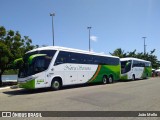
(133, 68)
(55, 67)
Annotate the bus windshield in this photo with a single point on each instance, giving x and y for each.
(35, 62)
(125, 66)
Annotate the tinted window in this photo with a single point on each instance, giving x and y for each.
(147, 64)
(135, 63)
(125, 66)
(40, 64)
(63, 57)
(84, 59)
(140, 64)
(75, 58)
(78, 58)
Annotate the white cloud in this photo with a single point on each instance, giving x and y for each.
(94, 38)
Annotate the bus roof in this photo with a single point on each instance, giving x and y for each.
(69, 50)
(131, 58)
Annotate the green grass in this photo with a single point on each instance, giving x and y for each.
(10, 72)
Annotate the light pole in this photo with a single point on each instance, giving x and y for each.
(144, 44)
(89, 28)
(52, 15)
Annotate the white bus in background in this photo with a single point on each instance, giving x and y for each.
(55, 67)
(133, 68)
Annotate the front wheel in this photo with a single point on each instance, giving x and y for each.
(55, 85)
(133, 77)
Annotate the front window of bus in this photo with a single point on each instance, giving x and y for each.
(125, 66)
(40, 62)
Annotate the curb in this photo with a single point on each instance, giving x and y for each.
(5, 88)
(9, 87)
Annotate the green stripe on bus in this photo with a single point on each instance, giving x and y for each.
(105, 70)
(28, 85)
(124, 77)
(147, 72)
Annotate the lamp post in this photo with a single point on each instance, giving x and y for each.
(144, 44)
(52, 15)
(89, 28)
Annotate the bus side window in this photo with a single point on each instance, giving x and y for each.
(83, 59)
(147, 64)
(128, 66)
(74, 58)
(134, 64)
(143, 64)
(62, 57)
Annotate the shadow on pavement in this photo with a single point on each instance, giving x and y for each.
(25, 91)
(42, 90)
(121, 81)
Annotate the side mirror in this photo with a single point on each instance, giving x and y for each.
(18, 63)
(33, 57)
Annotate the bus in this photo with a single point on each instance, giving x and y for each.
(55, 67)
(133, 68)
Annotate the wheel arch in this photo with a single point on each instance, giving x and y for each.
(111, 75)
(58, 78)
(133, 75)
(105, 75)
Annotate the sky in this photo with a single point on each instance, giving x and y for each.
(115, 23)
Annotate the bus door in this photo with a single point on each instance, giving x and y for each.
(128, 68)
(39, 68)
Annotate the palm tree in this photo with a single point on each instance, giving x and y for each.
(119, 52)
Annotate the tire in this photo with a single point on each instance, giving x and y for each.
(56, 84)
(110, 80)
(104, 80)
(133, 77)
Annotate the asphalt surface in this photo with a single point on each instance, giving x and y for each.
(139, 95)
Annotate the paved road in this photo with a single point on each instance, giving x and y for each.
(140, 95)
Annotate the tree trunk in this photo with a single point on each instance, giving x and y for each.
(1, 72)
(1, 80)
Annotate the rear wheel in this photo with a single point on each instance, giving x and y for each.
(104, 80)
(56, 84)
(110, 80)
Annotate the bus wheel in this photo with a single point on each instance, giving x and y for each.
(110, 80)
(56, 84)
(133, 77)
(104, 79)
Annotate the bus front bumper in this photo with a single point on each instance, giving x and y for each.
(28, 84)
